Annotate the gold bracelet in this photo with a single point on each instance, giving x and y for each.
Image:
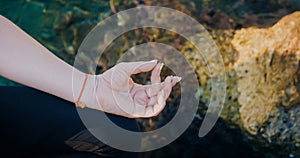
(78, 103)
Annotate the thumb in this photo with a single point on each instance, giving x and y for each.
(138, 67)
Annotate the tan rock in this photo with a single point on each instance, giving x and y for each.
(267, 67)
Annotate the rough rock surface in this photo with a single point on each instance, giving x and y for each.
(267, 68)
(263, 88)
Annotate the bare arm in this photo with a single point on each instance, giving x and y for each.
(24, 60)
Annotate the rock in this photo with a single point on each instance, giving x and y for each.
(263, 83)
(267, 69)
(268, 84)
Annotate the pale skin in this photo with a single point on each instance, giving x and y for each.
(24, 60)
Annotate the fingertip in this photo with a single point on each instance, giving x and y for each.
(161, 66)
(158, 68)
(175, 80)
(150, 65)
(168, 87)
(179, 78)
(138, 67)
(168, 78)
(155, 76)
(153, 61)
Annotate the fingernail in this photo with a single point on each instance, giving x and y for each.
(161, 66)
(154, 61)
(179, 79)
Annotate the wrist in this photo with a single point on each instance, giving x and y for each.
(83, 89)
(88, 95)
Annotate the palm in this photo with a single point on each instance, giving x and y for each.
(124, 97)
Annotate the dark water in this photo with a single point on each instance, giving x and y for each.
(49, 22)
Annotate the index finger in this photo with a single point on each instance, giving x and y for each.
(155, 86)
(155, 74)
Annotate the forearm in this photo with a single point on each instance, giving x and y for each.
(24, 60)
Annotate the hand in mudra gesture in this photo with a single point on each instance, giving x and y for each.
(117, 93)
(114, 90)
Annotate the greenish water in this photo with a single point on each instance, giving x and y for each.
(47, 22)
(60, 25)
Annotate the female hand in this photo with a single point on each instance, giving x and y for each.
(26, 61)
(116, 92)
